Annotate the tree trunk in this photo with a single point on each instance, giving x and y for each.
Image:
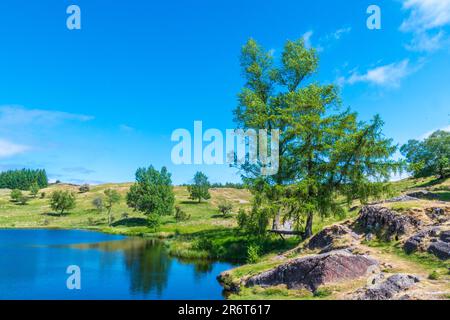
(309, 225)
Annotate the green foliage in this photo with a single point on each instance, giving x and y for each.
(180, 215)
(153, 221)
(84, 188)
(152, 193)
(15, 195)
(34, 189)
(111, 198)
(23, 179)
(429, 157)
(98, 204)
(434, 275)
(200, 188)
(225, 207)
(253, 253)
(62, 201)
(23, 200)
(323, 152)
(203, 244)
(322, 293)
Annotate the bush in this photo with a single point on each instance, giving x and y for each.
(242, 218)
(225, 207)
(34, 189)
(61, 201)
(98, 204)
(23, 200)
(180, 215)
(253, 253)
(84, 188)
(203, 244)
(16, 195)
(153, 221)
(434, 275)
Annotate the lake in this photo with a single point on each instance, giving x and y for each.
(33, 265)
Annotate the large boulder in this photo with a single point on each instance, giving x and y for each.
(420, 240)
(313, 271)
(333, 238)
(445, 236)
(385, 222)
(388, 289)
(440, 249)
(423, 194)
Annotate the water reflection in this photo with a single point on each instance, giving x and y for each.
(33, 265)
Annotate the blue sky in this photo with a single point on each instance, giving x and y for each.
(92, 105)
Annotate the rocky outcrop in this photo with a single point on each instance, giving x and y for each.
(420, 241)
(423, 194)
(385, 222)
(388, 289)
(333, 238)
(313, 271)
(440, 249)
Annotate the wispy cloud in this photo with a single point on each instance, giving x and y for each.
(389, 75)
(80, 170)
(426, 21)
(18, 115)
(429, 133)
(126, 128)
(9, 149)
(324, 41)
(307, 38)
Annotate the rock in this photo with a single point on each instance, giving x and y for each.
(440, 249)
(418, 241)
(423, 194)
(387, 289)
(313, 271)
(332, 238)
(382, 220)
(403, 198)
(445, 236)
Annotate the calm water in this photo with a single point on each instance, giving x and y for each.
(33, 265)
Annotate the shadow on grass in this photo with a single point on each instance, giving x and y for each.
(430, 183)
(131, 222)
(191, 202)
(52, 214)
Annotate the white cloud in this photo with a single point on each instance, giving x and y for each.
(389, 75)
(8, 149)
(18, 115)
(337, 35)
(429, 133)
(307, 38)
(426, 20)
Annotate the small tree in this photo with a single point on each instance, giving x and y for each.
(429, 157)
(180, 215)
(98, 204)
(152, 194)
(62, 201)
(34, 190)
(84, 188)
(112, 197)
(16, 194)
(225, 207)
(23, 200)
(200, 188)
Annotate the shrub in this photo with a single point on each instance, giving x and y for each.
(84, 188)
(61, 201)
(253, 253)
(180, 215)
(98, 204)
(16, 195)
(34, 189)
(242, 218)
(23, 200)
(434, 275)
(153, 221)
(203, 244)
(225, 207)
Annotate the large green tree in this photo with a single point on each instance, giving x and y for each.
(200, 188)
(152, 193)
(430, 156)
(62, 201)
(324, 151)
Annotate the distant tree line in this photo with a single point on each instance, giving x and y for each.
(23, 179)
